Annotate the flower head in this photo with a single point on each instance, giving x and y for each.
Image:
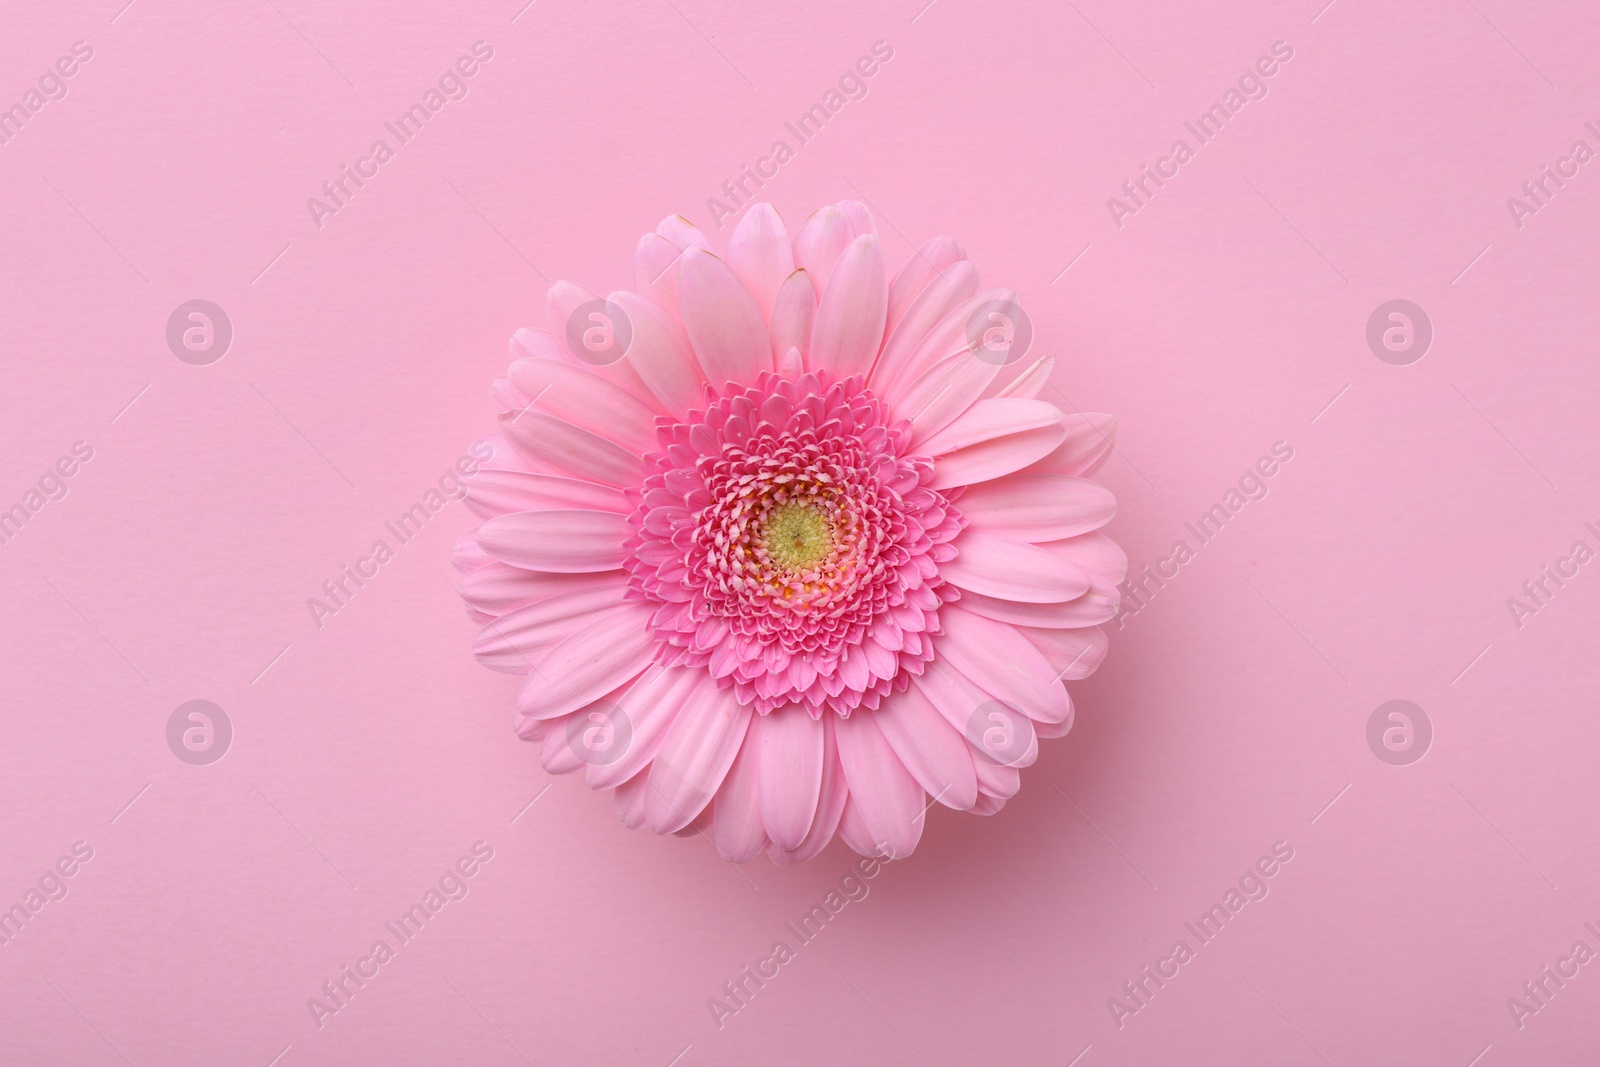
(784, 547)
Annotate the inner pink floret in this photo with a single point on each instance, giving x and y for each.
(791, 545)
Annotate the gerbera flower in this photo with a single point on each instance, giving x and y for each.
(785, 548)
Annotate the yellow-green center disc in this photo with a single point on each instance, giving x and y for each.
(798, 537)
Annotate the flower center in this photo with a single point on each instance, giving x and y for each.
(797, 537)
(790, 544)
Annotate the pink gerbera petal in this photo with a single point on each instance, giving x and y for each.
(792, 314)
(736, 820)
(883, 793)
(791, 774)
(849, 323)
(724, 324)
(760, 254)
(931, 260)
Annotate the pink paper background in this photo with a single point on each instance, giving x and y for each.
(1225, 316)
